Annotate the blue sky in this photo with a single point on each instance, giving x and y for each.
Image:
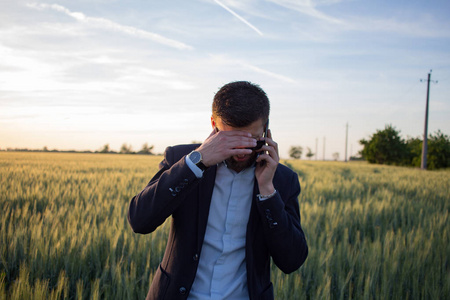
(81, 74)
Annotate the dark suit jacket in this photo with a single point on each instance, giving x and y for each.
(273, 229)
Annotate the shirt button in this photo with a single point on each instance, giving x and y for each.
(182, 290)
(195, 257)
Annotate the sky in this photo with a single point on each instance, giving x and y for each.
(82, 74)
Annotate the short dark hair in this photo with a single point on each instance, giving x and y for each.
(241, 103)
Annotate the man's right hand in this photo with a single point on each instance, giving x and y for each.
(224, 144)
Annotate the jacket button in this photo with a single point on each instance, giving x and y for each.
(182, 290)
(195, 257)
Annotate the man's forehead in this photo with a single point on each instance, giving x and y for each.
(258, 124)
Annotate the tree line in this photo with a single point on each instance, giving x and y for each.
(124, 149)
(296, 152)
(383, 147)
(388, 147)
(128, 149)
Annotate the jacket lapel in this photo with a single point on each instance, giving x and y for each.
(252, 220)
(206, 187)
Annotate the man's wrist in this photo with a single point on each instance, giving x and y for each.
(202, 152)
(196, 170)
(263, 197)
(267, 190)
(197, 158)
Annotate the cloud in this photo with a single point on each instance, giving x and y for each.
(239, 17)
(417, 26)
(110, 25)
(420, 27)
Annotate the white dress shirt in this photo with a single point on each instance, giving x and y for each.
(222, 272)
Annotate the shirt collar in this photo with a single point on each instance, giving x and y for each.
(224, 164)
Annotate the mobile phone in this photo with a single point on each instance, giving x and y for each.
(261, 143)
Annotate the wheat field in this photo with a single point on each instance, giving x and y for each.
(374, 232)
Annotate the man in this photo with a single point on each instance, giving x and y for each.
(233, 206)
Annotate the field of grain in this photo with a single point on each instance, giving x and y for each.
(374, 232)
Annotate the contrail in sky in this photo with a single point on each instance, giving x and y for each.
(239, 17)
(306, 7)
(110, 25)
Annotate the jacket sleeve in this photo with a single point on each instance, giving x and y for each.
(162, 195)
(283, 233)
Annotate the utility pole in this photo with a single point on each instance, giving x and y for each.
(423, 164)
(346, 141)
(317, 141)
(323, 158)
(351, 151)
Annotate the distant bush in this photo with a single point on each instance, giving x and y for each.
(387, 147)
(295, 152)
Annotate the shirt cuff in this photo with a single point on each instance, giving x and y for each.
(196, 170)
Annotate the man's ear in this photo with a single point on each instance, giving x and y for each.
(213, 123)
